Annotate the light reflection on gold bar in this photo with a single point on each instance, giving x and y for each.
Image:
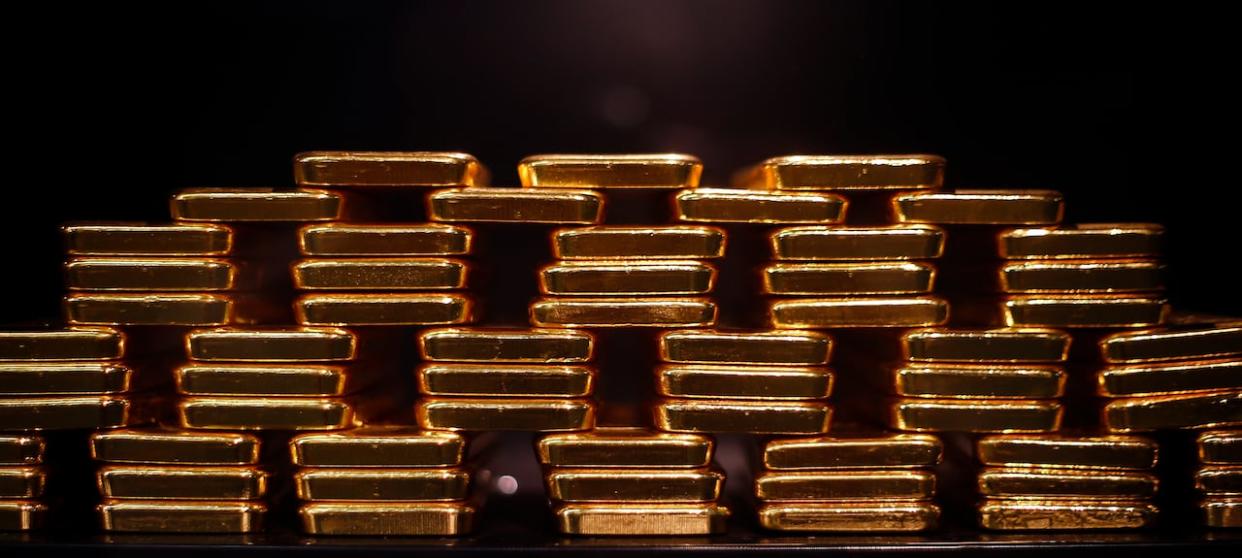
(642, 519)
(846, 172)
(21, 515)
(506, 380)
(149, 309)
(379, 274)
(515, 205)
(1086, 240)
(151, 274)
(768, 417)
(378, 446)
(1089, 276)
(986, 345)
(147, 239)
(634, 485)
(1197, 410)
(551, 346)
(18, 483)
(1173, 344)
(1065, 514)
(1219, 480)
(415, 239)
(1220, 447)
(980, 380)
(85, 343)
(156, 516)
(21, 449)
(268, 379)
(655, 171)
(848, 278)
(745, 347)
(861, 452)
(255, 205)
(383, 309)
(1026, 482)
(1170, 377)
(387, 168)
(608, 447)
(859, 312)
(963, 415)
(898, 242)
(845, 517)
(381, 483)
(64, 413)
(167, 446)
(181, 482)
(539, 415)
(270, 344)
(724, 205)
(386, 519)
(659, 278)
(1094, 311)
(865, 484)
(740, 381)
(256, 413)
(1223, 512)
(616, 242)
(623, 312)
(53, 378)
(980, 207)
(1068, 451)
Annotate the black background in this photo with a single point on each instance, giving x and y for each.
(1130, 113)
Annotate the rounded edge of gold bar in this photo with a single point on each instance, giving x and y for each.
(243, 447)
(97, 343)
(831, 208)
(1148, 235)
(850, 517)
(713, 381)
(338, 344)
(634, 485)
(1065, 514)
(662, 171)
(922, 450)
(782, 243)
(918, 345)
(1074, 312)
(22, 515)
(648, 312)
(445, 205)
(1040, 415)
(217, 241)
(304, 205)
(922, 311)
(196, 482)
(173, 516)
(386, 519)
(334, 309)
(334, 413)
(1118, 414)
(495, 344)
(847, 173)
(1113, 347)
(384, 484)
(618, 278)
(564, 240)
(445, 449)
(855, 278)
(506, 380)
(181, 309)
(425, 169)
(671, 352)
(642, 519)
(859, 484)
(21, 449)
(368, 274)
(1058, 451)
(710, 416)
(681, 450)
(1220, 447)
(571, 414)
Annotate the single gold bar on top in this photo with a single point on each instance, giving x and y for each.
(898, 242)
(383, 309)
(848, 278)
(865, 484)
(382, 483)
(326, 169)
(1093, 311)
(980, 207)
(980, 381)
(181, 482)
(623, 312)
(634, 485)
(506, 380)
(1196, 342)
(724, 205)
(1222, 512)
(1220, 447)
(416, 239)
(797, 348)
(964, 415)
(79, 343)
(515, 205)
(21, 515)
(295, 379)
(378, 446)
(887, 451)
(1067, 451)
(21, 449)
(859, 312)
(258, 413)
(62, 378)
(756, 417)
(144, 239)
(1196, 410)
(745, 381)
(619, 242)
(19, 483)
(657, 278)
(1219, 480)
(255, 205)
(175, 447)
(387, 519)
(172, 516)
(986, 345)
(1087, 240)
(540, 415)
(656, 171)
(642, 519)
(1064, 514)
(846, 517)
(1026, 482)
(1082, 276)
(609, 447)
(1170, 377)
(846, 172)
(65, 412)
(546, 346)
(379, 274)
(151, 274)
(270, 344)
(149, 309)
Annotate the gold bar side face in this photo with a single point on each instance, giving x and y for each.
(656, 171)
(1219, 480)
(532, 415)
(845, 485)
(1065, 515)
(384, 484)
(746, 382)
(980, 207)
(627, 278)
(859, 312)
(772, 417)
(986, 345)
(255, 205)
(1096, 240)
(1172, 377)
(155, 516)
(1220, 447)
(174, 447)
(848, 172)
(900, 242)
(1078, 452)
(634, 485)
(62, 344)
(21, 449)
(722, 205)
(642, 519)
(516, 205)
(63, 378)
(623, 312)
(1076, 483)
(551, 346)
(506, 380)
(148, 309)
(963, 415)
(264, 379)
(1098, 311)
(386, 519)
(378, 446)
(379, 274)
(151, 274)
(794, 348)
(982, 381)
(269, 345)
(142, 239)
(1208, 410)
(616, 242)
(20, 483)
(1223, 512)
(1172, 344)
(64, 413)
(383, 309)
(181, 482)
(21, 515)
(1088, 276)
(890, 451)
(850, 517)
(387, 168)
(609, 447)
(253, 413)
(848, 278)
(348, 239)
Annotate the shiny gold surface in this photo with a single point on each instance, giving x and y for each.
(256, 413)
(745, 347)
(750, 382)
(255, 204)
(1173, 344)
(1218, 480)
(52, 378)
(506, 380)
(1090, 276)
(387, 168)
(655, 171)
(623, 312)
(540, 415)
(859, 312)
(168, 446)
(1220, 447)
(618, 242)
(862, 452)
(415, 239)
(21, 515)
(181, 482)
(146, 239)
(846, 517)
(378, 446)
(381, 484)
(980, 207)
(1222, 512)
(986, 345)
(1077, 483)
(1094, 311)
(515, 205)
(1171, 377)
(634, 485)
(22, 482)
(768, 417)
(1071, 451)
(551, 346)
(383, 309)
(848, 278)
(607, 447)
(642, 519)
(62, 344)
(865, 484)
(724, 205)
(270, 344)
(182, 516)
(64, 413)
(268, 379)
(1198, 410)
(898, 242)
(151, 274)
(379, 274)
(21, 449)
(1065, 514)
(384, 519)
(149, 309)
(846, 172)
(980, 380)
(1087, 240)
(964, 415)
(627, 278)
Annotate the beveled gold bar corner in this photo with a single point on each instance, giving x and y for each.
(642, 519)
(76, 343)
(383, 309)
(767, 417)
(255, 205)
(515, 205)
(986, 345)
(623, 312)
(147, 239)
(829, 243)
(551, 346)
(779, 347)
(505, 380)
(529, 414)
(328, 240)
(1065, 514)
(859, 312)
(724, 205)
(846, 173)
(624, 242)
(964, 415)
(271, 344)
(629, 171)
(1067, 451)
(387, 519)
(980, 207)
(850, 517)
(1086, 240)
(890, 451)
(174, 447)
(743, 381)
(611, 447)
(379, 274)
(378, 446)
(326, 169)
(156, 516)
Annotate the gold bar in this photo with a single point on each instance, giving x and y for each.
(864, 452)
(182, 517)
(1065, 514)
(656, 171)
(1087, 240)
(255, 413)
(859, 312)
(724, 205)
(379, 274)
(515, 205)
(21, 449)
(64, 413)
(182, 482)
(1083, 484)
(964, 415)
(848, 278)
(382, 484)
(62, 344)
(751, 347)
(850, 517)
(506, 380)
(175, 447)
(22, 482)
(387, 519)
(349, 239)
(52, 378)
(623, 312)
(618, 242)
(755, 417)
(149, 309)
(642, 519)
(255, 205)
(270, 379)
(1095, 311)
(627, 278)
(986, 345)
(1219, 480)
(551, 346)
(1173, 344)
(608, 447)
(1196, 410)
(1171, 377)
(378, 446)
(869, 484)
(270, 344)
(980, 207)
(634, 485)
(1219, 447)
(151, 274)
(980, 380)
(846, 172)
(325, 169)
(1078, 452)
(898, 242)
(747, 382)
(1089, 276)
(1222, 512)
(144, 239)
(21, 515)
(383, 309)
(539, 415)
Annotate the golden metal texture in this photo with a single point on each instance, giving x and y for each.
(1014, 415)
(795, 348)
(379, 274)
(643, 278)
(382, 483)
(986, 345)
(655, 171)
(623, 312)
(1069, 451)
(175, 447)
(149, 309)
(255, 205)
(725, 205)
(1086, 240)
(258, 413)
(856, 452)
(642, 519)
(608, 447)
(1093, 311)
(859, 312)
(980, 380)
(756, 417)
(325, 169)
(1065, 514)
(378, 446)
(742, 381)
(620, 242)
(540, 415)
(162, 482)
(57, 378)
(1195, 342)
(980, 207)
(387, 519)
(147, 239)
(171, 516)
(850, 517)
(848, 278)
(515, 205)
(416, 239)
(895, 242)
(270, 344)
(1196, 410)
(846, 172)
(383, 309)
(152, 274)
(506, 380)
(550, 346)
(78, 343)
(634, 485)
(863, 484)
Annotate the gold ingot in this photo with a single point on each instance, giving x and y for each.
(149, 309)
(56, 378)
(888, 451)
(797, 348)
(22, 482)
(506, 380)
(725, 205)
(536, 415)
(623, 312)
(151, 274)
(385, 483)
(1218, 447)
(175, 447)
(980, 207)
(656, 171)
(1218, 480)
(634, 485)
(659, 278)
(386, 519)
(143, 239)
(257, 413)
(1065, 514)
(64, 413)
(1196, 410)
(551, 346)
(383, 309)
(755, 417)
(1077, 452)
(642, 519)
(848, 278)
(617, 242)
(516, 205)
(21, 515)
(1094, 311)
(379, 274)
(269, 379)
(1222, 512)
(326, 169)
(1087, 240)
(986, 345)
(1173, 344)
(897, 242)
(21, 449)
(171, 516)
(608, 447)
(965, 415)
(62, 344)
(349, 239)
(255, 205)
(270, 344)
(153, 482)
(1089, 276)
(859, 312)
(1170, 377)
(846, 172)
(746, 382)
(1026, 482)
(866, 484)
(980, 380)
(850, 517)
(378, 446)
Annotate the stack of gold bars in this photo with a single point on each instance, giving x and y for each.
(22, 477)
(1219, 478)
